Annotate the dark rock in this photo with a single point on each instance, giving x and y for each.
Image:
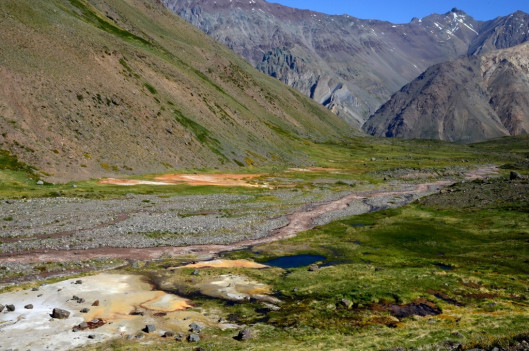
(244, 334)
(75, 329)
(193, 338)
(149, 328)
(85, 310)
(313, 268)
(200, 349)
(10, 308)
(195, 328)
(81, 300)
(137, 313)
(83, 326)
(2, 308)
(168, 334)
(28, 307)
(399, 348)
(91, 336)
(79, 281)
(96, 303)
(179, 337)
(35, 288)
(515, 176)
(59, 313)
(419, 308)
(140, 336)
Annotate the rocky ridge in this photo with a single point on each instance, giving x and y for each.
(471, 99)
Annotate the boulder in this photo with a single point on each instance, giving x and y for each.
(347, 303)
(193, 338)
(79, 281)
(195, 328)
(28, 307)
(59, 313)
(96, 303)
(149, 328)
(10, 308)
(244, 334)
(168, 334)
(91, 336)
(2, 308)
(313, 268)
(179, 337)
(40, 182)
(85, 310)
(515, 176)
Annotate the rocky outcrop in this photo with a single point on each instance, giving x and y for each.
(467, 100)
(347, 64)
(501, 33)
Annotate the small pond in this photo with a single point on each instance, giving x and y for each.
(294, 261)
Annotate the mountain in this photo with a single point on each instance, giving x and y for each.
(501, 33)
(94, 88)
(471, 99)
(349, 65)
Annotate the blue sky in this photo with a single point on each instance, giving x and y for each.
(402, 11)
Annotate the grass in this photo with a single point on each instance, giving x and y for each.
(471, 263)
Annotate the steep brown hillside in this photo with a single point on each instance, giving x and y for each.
(470, 99)
(92, 88)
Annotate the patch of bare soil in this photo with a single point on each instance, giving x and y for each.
(192, 179)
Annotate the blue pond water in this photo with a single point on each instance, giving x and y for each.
(294, 261)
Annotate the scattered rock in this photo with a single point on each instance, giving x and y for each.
(195, 328)
(140, 336)
(515, 176)
(195, 272)
(59, 313)
(36, 288)
(244, 334)
(193, 338)
(10, 308)
(179, 337)
(83, 326)
(137, 313)
(347, 303)
(168, 334)
(149, 328)
(75, 330)
(40, 182)
(2, 308)
(96, 303)
(78, 282)
(28, 307)
(457, 334)
(91, 336)
(85, 310)
(313, 268)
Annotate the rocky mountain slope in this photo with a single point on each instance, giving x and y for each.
(347, 64)
(92, 88)
(471, 99)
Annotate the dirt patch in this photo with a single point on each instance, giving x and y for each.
(224, 264)
(444, 297)
(420, 308)
(225, 179)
